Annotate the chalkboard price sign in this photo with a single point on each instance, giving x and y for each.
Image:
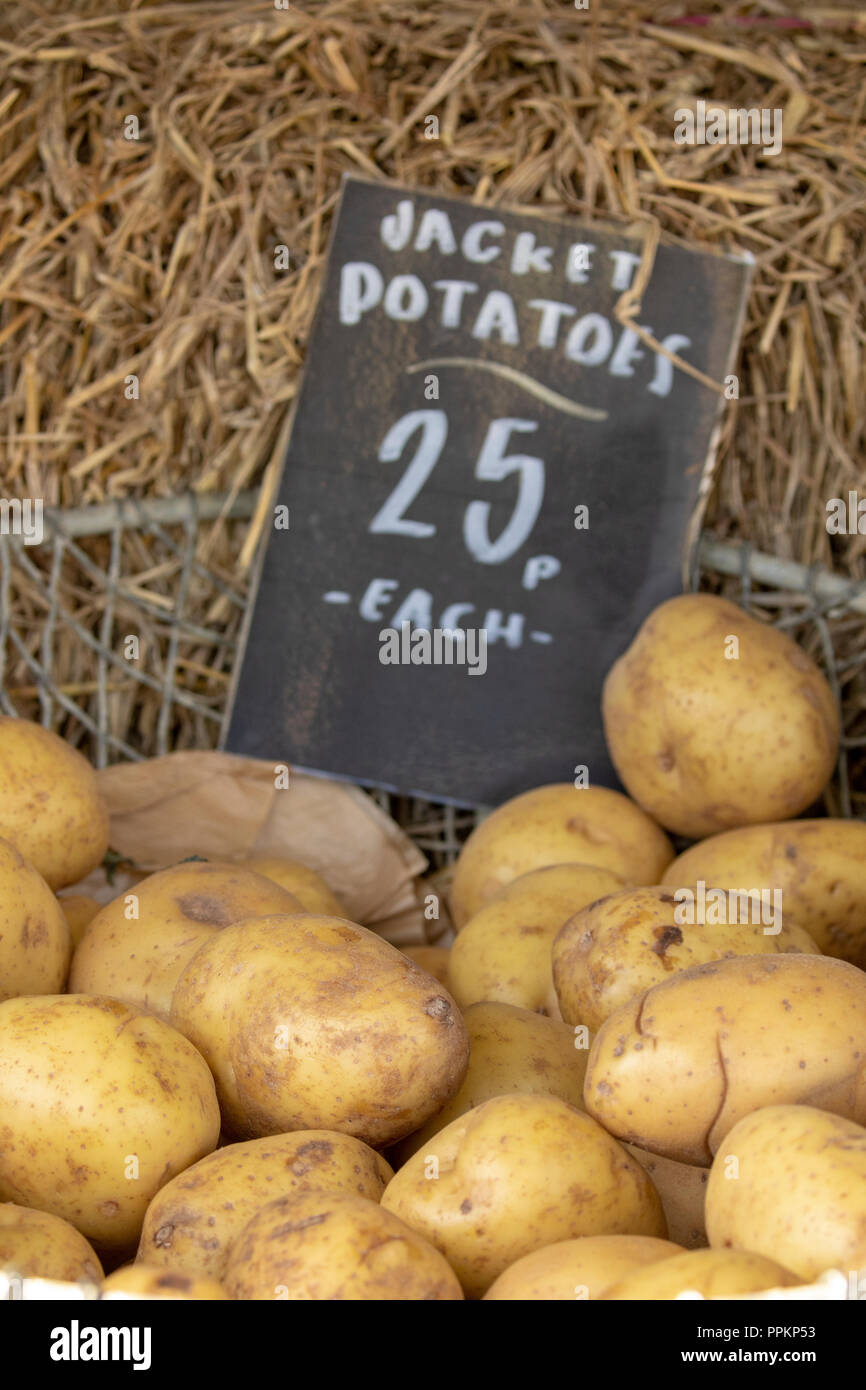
(486, 491)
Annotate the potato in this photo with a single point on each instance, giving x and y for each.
(434, 959)
(714, 720)
(192, 1221)
(676, 1068)
(99, 1106)
(559, 824)
(140, 1281)
(509, 1050)
(79, 911)
(50, 806)
(819, 866)
(34, 938)
(139, 959)
(329, 1245)
(577, 1269)
(314, 1023)
(515, 1174)
(791, 1180)
(626, 943)
(683, 1189)
(713, 1273)
(308, 887)
(503, 952)
(37, 1245)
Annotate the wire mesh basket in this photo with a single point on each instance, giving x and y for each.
(120, 631)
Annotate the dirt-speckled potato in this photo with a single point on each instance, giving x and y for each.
(791, 1181)
(510, 1049)
(34, 937)
(192, 1221)
(819, 866)
(328, 1245)
(99, 1106)
(434, 959)
(676, 1068)
(50, 806)
(715, 720)
(626, 943)
(36, 1245)
(315, 1023)
(517, 1173)
(558, 824)
(713, 1273)
(577, 1270)
(683, 1189)
(79, 912)
(141, 1281)
(139, 959)
(503, 952)
(310, 889)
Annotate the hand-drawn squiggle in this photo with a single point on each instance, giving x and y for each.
(535, 388)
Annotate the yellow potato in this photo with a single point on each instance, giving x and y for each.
(714, 720)
(314, 1023)
(509, 1050)
(79, 912)
(37, 1245)
(434, 959)
(328, 1245)
(34, 937)
(140, 1281)
(683, 1189)
(192, 1221)
(99, 1106)
(676, 1068)
(139, 958)
(626, 943)
(818, 866)
(515, 1174)
(310, 889)
(791, 1180)
(577, 1269)
(559, 824)
(713, 1273)
(50, 806)
(504, 952)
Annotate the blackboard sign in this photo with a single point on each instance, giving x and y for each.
(486, 491)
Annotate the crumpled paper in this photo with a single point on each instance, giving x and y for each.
(221, 806)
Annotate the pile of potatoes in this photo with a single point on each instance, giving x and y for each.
(623, 1081)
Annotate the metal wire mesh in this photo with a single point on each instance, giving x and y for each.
(70, 607)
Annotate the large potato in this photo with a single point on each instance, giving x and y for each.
(308, 887)
(37, 1245)
(676, 1068)
(136, 948)
(559, 824)
(790, 1181)
(818, 866)
(315, 1023)
(141, 1281)
(509, 1050)
(713, 1273)
(517, 1173)
(577, 1269)
(99, 1106)
(714, 720)
(50, 807)
(34, 935)
(328, 1245)
(503, 952)
(682, 1188)
(192, 1221)
(626, 943)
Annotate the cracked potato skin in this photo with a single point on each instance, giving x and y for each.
(315, 1023)
(705, 742)
(328, 1245)
(676, 1068)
